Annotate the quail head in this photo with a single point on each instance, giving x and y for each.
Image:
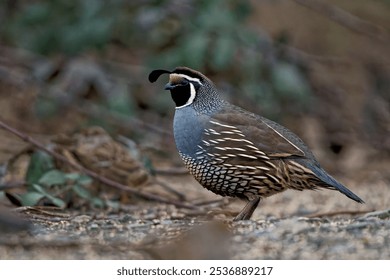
(233, 152)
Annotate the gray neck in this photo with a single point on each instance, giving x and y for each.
(207, 100)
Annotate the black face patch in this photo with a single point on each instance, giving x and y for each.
(181, 94)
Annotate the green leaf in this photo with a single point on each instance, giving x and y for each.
(38, 188)
(53, 177)
(97, 202)
(40, 163)
(112, 204)
(30, 198)
(55, 200)
(72, 176)
(82, 192)
(84, 180)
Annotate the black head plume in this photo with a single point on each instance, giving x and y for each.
(155, 74)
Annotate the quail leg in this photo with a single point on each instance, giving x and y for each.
(248, 210)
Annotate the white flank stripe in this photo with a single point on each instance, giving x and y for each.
(246, 167)
(237, 149)
(224, 125)
(259, 152)
(247, 156)
(221, 148)
(273, 177)
(252, 147)
(239, 140)
(262, 168)
(228, 132)
(259, 177)
(214, 131)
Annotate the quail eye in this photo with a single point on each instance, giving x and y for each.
(184, 83)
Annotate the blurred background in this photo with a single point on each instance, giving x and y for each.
(321, 68)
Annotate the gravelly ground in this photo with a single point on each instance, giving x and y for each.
(291, 225)
(127, 236)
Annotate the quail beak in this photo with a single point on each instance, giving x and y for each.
(169, 86)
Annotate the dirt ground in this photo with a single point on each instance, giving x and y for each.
(291, 225)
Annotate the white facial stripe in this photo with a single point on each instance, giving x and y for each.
(188, 78)
(192, 97)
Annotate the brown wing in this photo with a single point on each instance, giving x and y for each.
(244, 133)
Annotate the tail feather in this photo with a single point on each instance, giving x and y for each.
(331, 183)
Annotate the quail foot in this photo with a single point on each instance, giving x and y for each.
(233, 152)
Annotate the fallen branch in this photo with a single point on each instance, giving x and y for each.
(12, 185)
(48, 211)
(92, 174)
(167, 187)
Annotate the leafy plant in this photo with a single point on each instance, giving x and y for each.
(63, 26)
(51, 186)
(211, 36)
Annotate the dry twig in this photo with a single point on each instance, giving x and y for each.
(92, 174)
(49, 211)
(12, 185)
(179, 195)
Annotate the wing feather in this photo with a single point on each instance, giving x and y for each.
(257, 135)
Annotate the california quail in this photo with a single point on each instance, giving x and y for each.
(233, 152)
